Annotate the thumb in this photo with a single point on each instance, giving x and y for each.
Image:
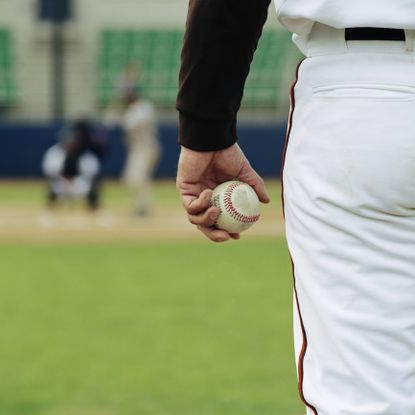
(251, 177)
(261, 191)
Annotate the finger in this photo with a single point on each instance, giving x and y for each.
(207, 218)
(215, 235)
(196, 205)
(235, 236)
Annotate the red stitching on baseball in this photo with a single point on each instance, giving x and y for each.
(230, 208)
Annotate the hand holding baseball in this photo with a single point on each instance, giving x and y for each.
(200, 172)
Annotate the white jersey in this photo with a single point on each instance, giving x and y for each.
(299, 16)
(139, 123)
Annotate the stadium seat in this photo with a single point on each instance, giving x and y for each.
(157, 52)
(7, 83)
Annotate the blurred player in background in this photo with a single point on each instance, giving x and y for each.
(137, 117)
(143, 150)
(128, 79)
(72, 166)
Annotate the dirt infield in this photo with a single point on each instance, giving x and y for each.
(23, 224)
(21, 221)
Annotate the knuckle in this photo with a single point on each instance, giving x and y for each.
(192, 206)
(207, 220)
(208, 195)
(203, 230)
(192, 220)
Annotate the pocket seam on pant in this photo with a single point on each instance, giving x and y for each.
(393, 92)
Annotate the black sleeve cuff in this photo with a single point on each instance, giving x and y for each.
(206, 135)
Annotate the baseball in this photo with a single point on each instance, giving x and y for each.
(238, 204)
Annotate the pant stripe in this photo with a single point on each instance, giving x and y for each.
(304, 334)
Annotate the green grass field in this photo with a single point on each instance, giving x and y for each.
(160, 328)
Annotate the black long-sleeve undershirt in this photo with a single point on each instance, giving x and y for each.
(219, 43)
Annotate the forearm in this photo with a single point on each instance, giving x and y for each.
(220, 41)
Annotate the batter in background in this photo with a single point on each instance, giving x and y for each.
(348, 182)
(143, 150)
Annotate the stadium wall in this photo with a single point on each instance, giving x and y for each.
(23, 147)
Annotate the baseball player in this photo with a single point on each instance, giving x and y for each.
(72, 166)
(143, 150)
(348, 182)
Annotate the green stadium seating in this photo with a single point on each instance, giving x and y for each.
(265, 83)
(157, 52)
(8, 89)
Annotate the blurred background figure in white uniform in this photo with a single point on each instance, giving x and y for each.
(143, 150)
(128, 79)
(72, 166)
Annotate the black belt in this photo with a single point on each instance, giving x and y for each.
(374, 33)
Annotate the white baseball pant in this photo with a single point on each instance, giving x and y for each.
(349, 197)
